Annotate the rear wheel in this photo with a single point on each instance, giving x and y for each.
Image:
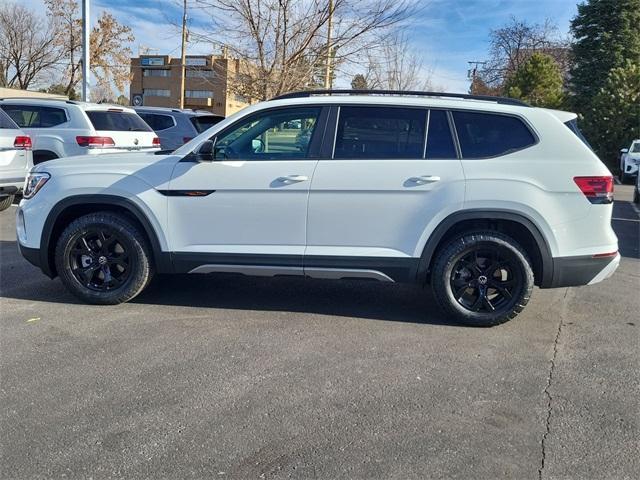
(482, 279)
(6, 202)
(636, 195)
(103, 258)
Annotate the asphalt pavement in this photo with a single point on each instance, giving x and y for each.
(231, 377)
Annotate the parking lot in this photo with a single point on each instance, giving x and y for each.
(234, 377)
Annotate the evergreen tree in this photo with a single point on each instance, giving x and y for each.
(358, 82)
(607, 33)
(614, 118)
(538, 81)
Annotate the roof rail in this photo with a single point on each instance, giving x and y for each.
(73, 102)
(486, 98)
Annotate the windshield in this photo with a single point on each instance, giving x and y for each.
(204, 122)
(117, 121)
(635, 148)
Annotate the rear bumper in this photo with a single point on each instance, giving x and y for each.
(582, 270)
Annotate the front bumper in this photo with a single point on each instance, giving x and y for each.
(631, 168)
(581, 270)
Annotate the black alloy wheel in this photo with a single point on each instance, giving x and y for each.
(99, 259)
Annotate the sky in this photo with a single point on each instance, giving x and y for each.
(446, 34)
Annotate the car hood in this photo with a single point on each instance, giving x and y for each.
(118, 163)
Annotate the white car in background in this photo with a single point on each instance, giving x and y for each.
(65, 128)
(629, 161)
(15, 160)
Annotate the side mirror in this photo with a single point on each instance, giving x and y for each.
(624, 150)
(205, 152)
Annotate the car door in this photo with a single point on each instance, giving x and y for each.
(384, 185)
(244, 207)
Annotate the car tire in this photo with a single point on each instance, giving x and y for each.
(482, 278)
(624, 178)
(103, 258)
(6, 202)
(636, 195)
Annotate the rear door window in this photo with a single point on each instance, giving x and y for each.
(484, 135)
(380, 132)
(117, 121)
(439, 140)
(31, 116)
(204, 122)
(156, 121)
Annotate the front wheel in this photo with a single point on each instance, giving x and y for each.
(6, 202)
(482, 279)
(103, 258)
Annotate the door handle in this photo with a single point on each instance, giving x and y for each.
(293, 179)
(424, 179)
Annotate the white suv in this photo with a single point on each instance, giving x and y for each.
(629, 161)
(64, 128)
(15, 160)
(480, 197)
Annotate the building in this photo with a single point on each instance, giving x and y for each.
(156, 82)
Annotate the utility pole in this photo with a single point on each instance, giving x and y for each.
(183, 54)
(86, 58)
(472, 73)
(327, 73)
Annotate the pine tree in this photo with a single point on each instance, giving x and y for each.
(607, 33)
(538, 81)
(614, 119)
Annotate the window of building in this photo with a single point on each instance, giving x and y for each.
(153, 72)
(156, 121)
(198, 93)
(483, 135)
(196, 73)
(199, 61)
(31, 116)
(282, 134)
(156, 92)
(439, 140)
(380, 132)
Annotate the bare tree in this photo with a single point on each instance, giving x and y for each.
(283, 44)
(27, 47)
(513, 44)
(396, 66)
(110, 54)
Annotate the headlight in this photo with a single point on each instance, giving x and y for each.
(33, 183)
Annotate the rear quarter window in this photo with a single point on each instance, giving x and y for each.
(32, 116)
(157, 122)
(485, 135)
(117, 121)
(204, 122)
(6, 123)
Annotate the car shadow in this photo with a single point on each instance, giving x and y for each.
(347, 298)
(626, 224)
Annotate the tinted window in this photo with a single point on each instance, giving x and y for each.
(380, 132)
(439, 140)
(28, 116)
(117, 121)
(6, 122)
(157, 122)
(283, 134)
(484, 135)
(203, 122)
(573, 126)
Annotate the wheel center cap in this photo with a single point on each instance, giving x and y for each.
(482, 280)
(102, 260)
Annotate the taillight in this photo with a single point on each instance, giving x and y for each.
(596, 189)
(186, 139)
(22, 142)
(95, 142)
(155, 142)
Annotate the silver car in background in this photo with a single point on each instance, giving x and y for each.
(16, 159)
(175, 126)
